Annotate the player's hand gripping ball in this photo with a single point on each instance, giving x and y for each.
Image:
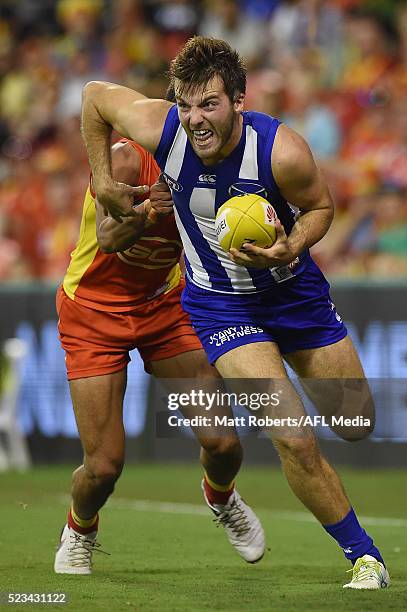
(246, 218)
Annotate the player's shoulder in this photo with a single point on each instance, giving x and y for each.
(171, 129)
(292, 159)
(263, 124)
(127, 160)
(171, 117)
(290, 148)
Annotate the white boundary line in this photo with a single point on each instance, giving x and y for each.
(146, 505)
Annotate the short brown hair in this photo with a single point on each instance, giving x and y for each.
(204, 58)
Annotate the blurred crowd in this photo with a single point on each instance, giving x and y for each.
(334, 70)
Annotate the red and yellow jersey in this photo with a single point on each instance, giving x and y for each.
(120, 281)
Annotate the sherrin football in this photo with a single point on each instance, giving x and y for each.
(246, 218)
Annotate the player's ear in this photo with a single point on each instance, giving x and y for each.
(238, 102)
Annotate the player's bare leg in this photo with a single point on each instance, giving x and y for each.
(333, 377)
(221, 457)
(336, 361)
(98, 407)
(310, 476)
(319, 370)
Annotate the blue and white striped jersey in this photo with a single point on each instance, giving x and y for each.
(198, 191)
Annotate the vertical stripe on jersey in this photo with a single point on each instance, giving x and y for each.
(173, 168)
(176, 154)
(196, 271)
(249, 169)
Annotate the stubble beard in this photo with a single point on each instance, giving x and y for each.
(223, 136)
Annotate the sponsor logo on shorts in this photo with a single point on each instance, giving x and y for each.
(230, 333)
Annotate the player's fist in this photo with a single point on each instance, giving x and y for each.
(161, 199)
(151, 214)
(117, 199)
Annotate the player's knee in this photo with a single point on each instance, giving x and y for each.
(354, 417)
(301, 451)
(355, 433)
(223, 447)
(105, 470)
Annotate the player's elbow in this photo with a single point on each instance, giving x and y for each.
(91, 90)
(329, 206)
(327, 214)
(330, 214)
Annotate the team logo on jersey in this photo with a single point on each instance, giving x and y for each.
(208, 179)
(152, 253)
(172, 183)
(243, 187)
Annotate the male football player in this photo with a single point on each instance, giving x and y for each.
(277, 298)
(122, 291)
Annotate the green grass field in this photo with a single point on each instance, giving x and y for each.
(167, 557)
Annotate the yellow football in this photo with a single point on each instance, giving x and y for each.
(245, 218)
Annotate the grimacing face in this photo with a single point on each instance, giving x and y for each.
(212, 122)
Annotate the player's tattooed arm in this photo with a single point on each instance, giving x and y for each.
(302, 184)
(106, 106)
(114, 236)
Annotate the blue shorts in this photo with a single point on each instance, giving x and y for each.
(296, 314)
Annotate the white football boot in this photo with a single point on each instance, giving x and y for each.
(242, 526)
(368, 573)
(74, 554)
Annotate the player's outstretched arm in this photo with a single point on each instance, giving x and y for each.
(302, 184)
(106, 106)
(114, 236)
